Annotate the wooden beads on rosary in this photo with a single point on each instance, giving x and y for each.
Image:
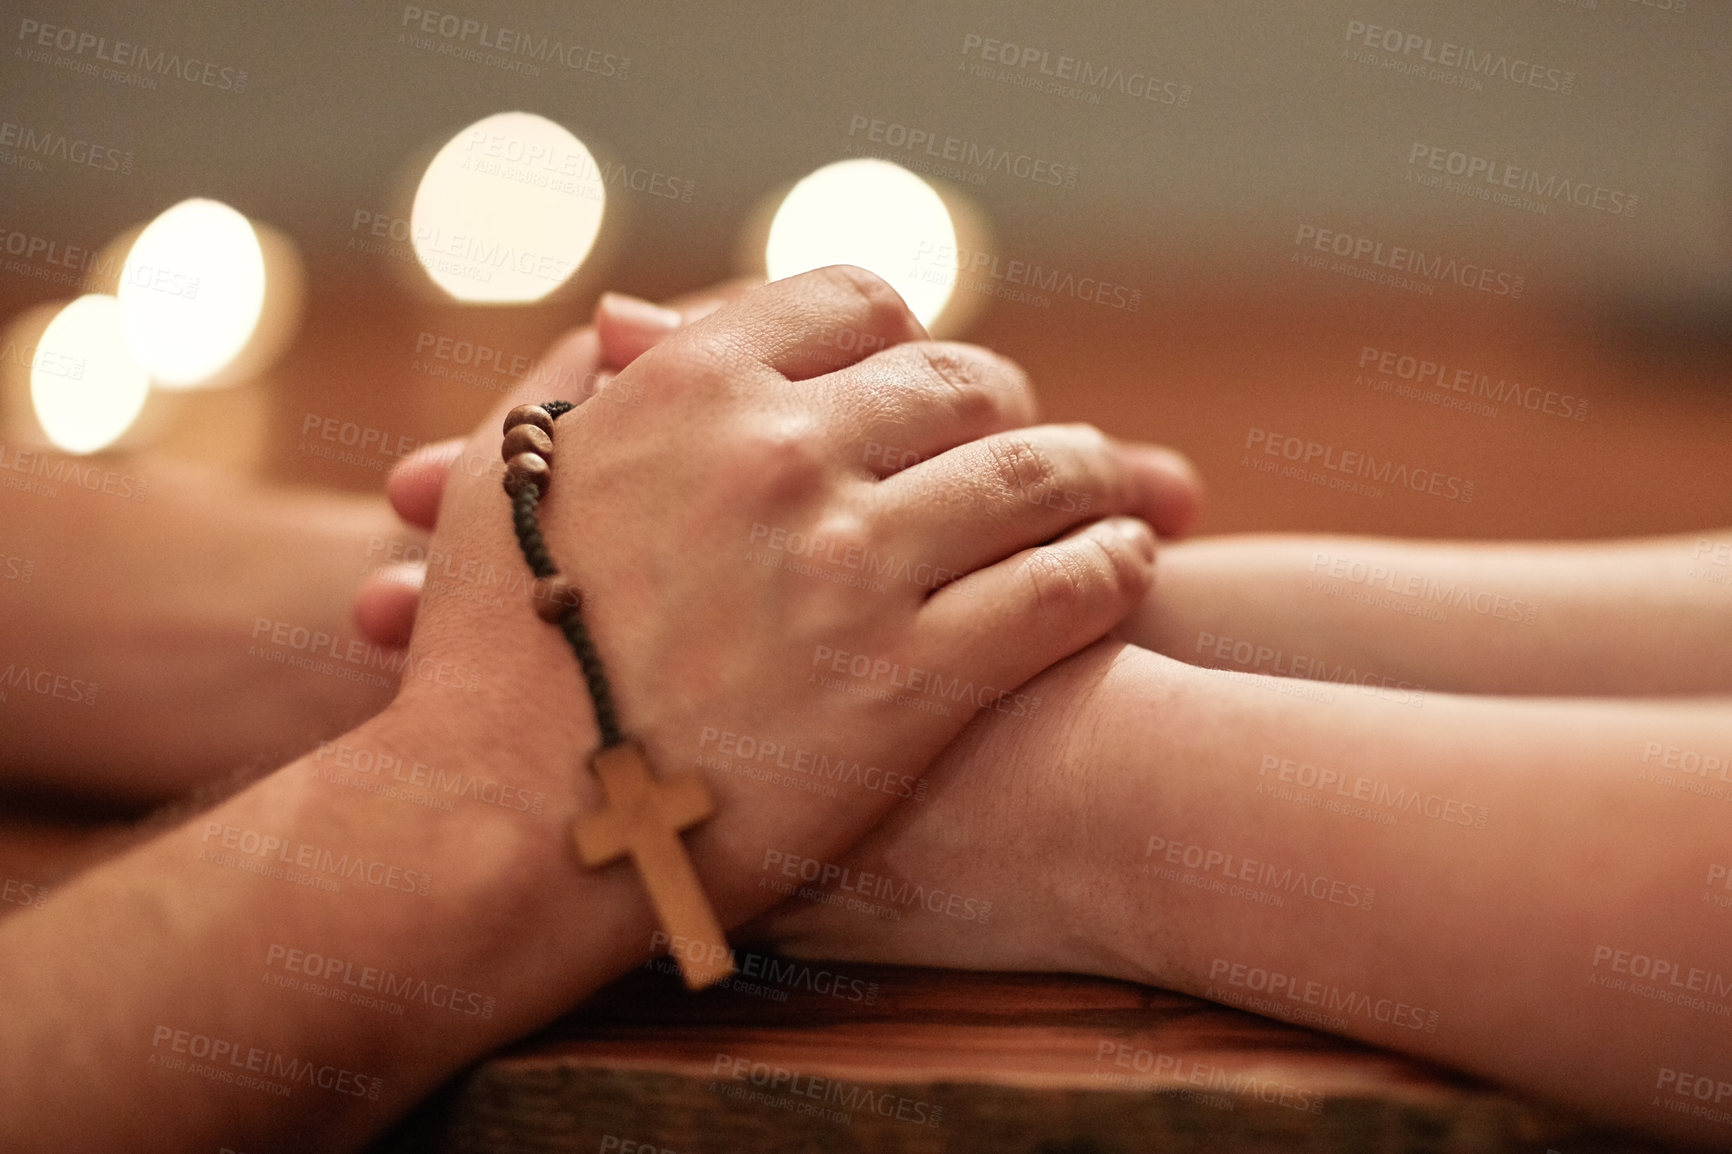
(533, 415)
(528, 448)
(527, 439)
(528, 453)
(553, 598)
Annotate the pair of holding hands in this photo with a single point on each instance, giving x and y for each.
(965, 550)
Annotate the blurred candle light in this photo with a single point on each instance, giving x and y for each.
(192, 291)
(85, 386)
(873, 214)
(507, 210)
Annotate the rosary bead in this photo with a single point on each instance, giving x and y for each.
(529, 415)
(527, 439)
(527, 468)
(554, 597)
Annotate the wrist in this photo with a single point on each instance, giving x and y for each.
(435, 875)
(1127, 780)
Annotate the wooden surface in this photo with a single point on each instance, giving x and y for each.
(974, 1064)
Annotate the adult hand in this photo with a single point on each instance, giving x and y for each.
(624, 328)
(788, 542)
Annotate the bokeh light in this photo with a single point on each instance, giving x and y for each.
(508, 210)
(84, 383)
(191, 291)
(873, 214)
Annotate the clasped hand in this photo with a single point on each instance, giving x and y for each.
(823, 552)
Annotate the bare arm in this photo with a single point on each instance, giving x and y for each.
(1531, 890)
(1493, 884)
(132, 632)
(1639, 617)
(296, 967)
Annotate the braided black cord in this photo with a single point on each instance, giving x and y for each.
(524, 504)
(582, 644)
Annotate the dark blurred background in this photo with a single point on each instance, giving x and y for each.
(1203, 151)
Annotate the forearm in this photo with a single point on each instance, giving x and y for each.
(134, 659)
(1623, 618)
(299, 965)
(1485, 883)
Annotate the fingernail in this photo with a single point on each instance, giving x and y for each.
(637, 311)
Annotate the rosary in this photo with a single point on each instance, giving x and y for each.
(643, 815)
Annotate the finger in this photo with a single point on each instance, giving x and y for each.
(981, 502)
(417, 482)
(387, 602)
(1053, 600)
(695, 306)
(630, 326)
(1174, 488)
(925, 397)
(806, 325)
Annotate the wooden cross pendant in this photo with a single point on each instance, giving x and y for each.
(643, 817)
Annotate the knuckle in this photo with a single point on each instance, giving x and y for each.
(884, 306)
(1100, 467)
(946, 364)
(1022, 469)
(1089, 571)
(845, 533)
(1123, 570)
(1059, 584)
(962, 374)
(997, 370)
(784, 459)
